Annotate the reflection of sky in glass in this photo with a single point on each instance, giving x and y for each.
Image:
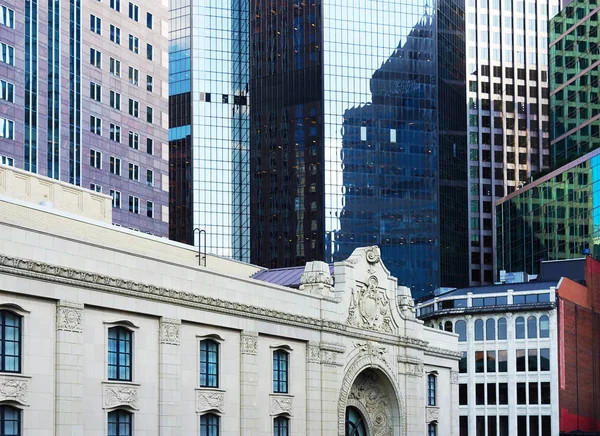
(380, 138)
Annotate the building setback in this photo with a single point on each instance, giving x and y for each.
(83, 95)
(119, 333)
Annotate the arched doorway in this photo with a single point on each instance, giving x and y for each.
(355, 422)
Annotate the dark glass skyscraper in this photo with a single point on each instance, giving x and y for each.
(354, 104)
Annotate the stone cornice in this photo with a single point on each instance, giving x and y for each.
(443, 352)
(74, 277)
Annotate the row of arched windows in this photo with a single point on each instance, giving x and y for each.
(495, 329)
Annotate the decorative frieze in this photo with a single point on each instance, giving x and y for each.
(169, 331)
(248, 342)
(313, 353)
(281, 404)
(412, 367)
(210, 399)
(14, 388)
(69, 317)
(120, 395)
(330, 354)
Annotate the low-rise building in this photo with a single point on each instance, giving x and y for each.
(107, 331)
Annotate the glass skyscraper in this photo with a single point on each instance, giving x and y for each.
(352, 114)
(209, 125)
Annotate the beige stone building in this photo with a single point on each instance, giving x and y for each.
(107, 331)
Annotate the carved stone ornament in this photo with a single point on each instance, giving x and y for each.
(313, 354)
(281, 404)
(14, 389)
(432, 414)
(119, 395)
(69, 317)
(454, 377)
(248, 342)
(369, 392)
(207, 400)
(370, 307)
(370, 348)
(169, 331)
(373, 254)
(414, 369)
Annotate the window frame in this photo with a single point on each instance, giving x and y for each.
(205, 427)
(204, 357)
(280, 386)
(431, 389)
(116, 198)
(19, 357)
(117, 365)
(278, 425)
(19, 415)
(119, 414)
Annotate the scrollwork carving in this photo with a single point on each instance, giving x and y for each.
(169, 332)
(373, 254)
(368, 390)
(281, 404)
(209, 400)
(454, 377)
(14, 389)
(119, 395)
(432, 414)
(248, 343)
(313, 354)
(69, 317)
(370, 307)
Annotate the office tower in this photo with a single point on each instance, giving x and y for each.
(208, 125)
(347, 150)
(83, 96)
(555, 217)
(507, 71)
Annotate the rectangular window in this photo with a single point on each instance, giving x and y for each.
(10, 342)
(134, 172)
(209, 424)
(149, 114)
(280, 371)
(7, 91)
(119, 353)
(120, 423)
(95, 159)
(96, 24)
(502, 393)
(133, 75)
(150, 209)
(116, 198)
(149, 22)
(134, 107)
(502, 361)
(134, 44)
(521, 393)
(522, 425)
(115, 132)
(7, 129)
(134, 140)
(134, 204)
(7, 17)
(491, 393)
(115, 67)
(545, 388)
(149, 52)
(464, 426)
(149, 83)
(95, 125)
(462, 365)
(479, 362)
(463, 394)
(5, 160)
(544, 359)
(115, 100)
(95, 187)
(491, 361)
(133, 11)
(520, 360)
(431, 381)
(116, 5)
(150, 177)
(532, 361)
(479, 394)
(533, 393)
(209, 362)
(7, 54)
(115, 165)
(95, 91)
(149, 146)
(95, 58)
(115, 34)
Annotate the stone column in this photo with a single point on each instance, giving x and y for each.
(248, 383)
(69, 369)
(169, 391)
(455, 415)
(313, 389)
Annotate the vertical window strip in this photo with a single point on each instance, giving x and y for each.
(53, 136)
(75, 93)
(31, 70)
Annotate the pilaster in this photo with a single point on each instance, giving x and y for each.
(169, 394)
(248, 383)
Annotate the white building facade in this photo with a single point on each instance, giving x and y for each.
(106, 331)
(508, 373)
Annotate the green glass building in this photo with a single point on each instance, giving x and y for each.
(557, 215)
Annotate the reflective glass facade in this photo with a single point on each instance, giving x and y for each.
(346, 134)
(556, 217)
(575, 71)
(208, 130)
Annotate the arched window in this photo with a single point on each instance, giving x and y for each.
(501, 328)
(448, 326)
(544, 327)
(281, 426)
(490, 330)
(120, 423)
(119, 353)
(209, 364)
(431, 386)
(209, 425)
(532, 327)
(520, 328)
(280, 371)
(432, 429)
(479, 330)
(355, 423)
(461, 329)
(10, 342)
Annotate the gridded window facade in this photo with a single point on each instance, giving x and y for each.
(120, 353)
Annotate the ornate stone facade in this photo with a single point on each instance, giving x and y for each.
(120, 395)
(281, 404)
(209, 400)
(14, 389)
(169, 331)
(69, 316)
